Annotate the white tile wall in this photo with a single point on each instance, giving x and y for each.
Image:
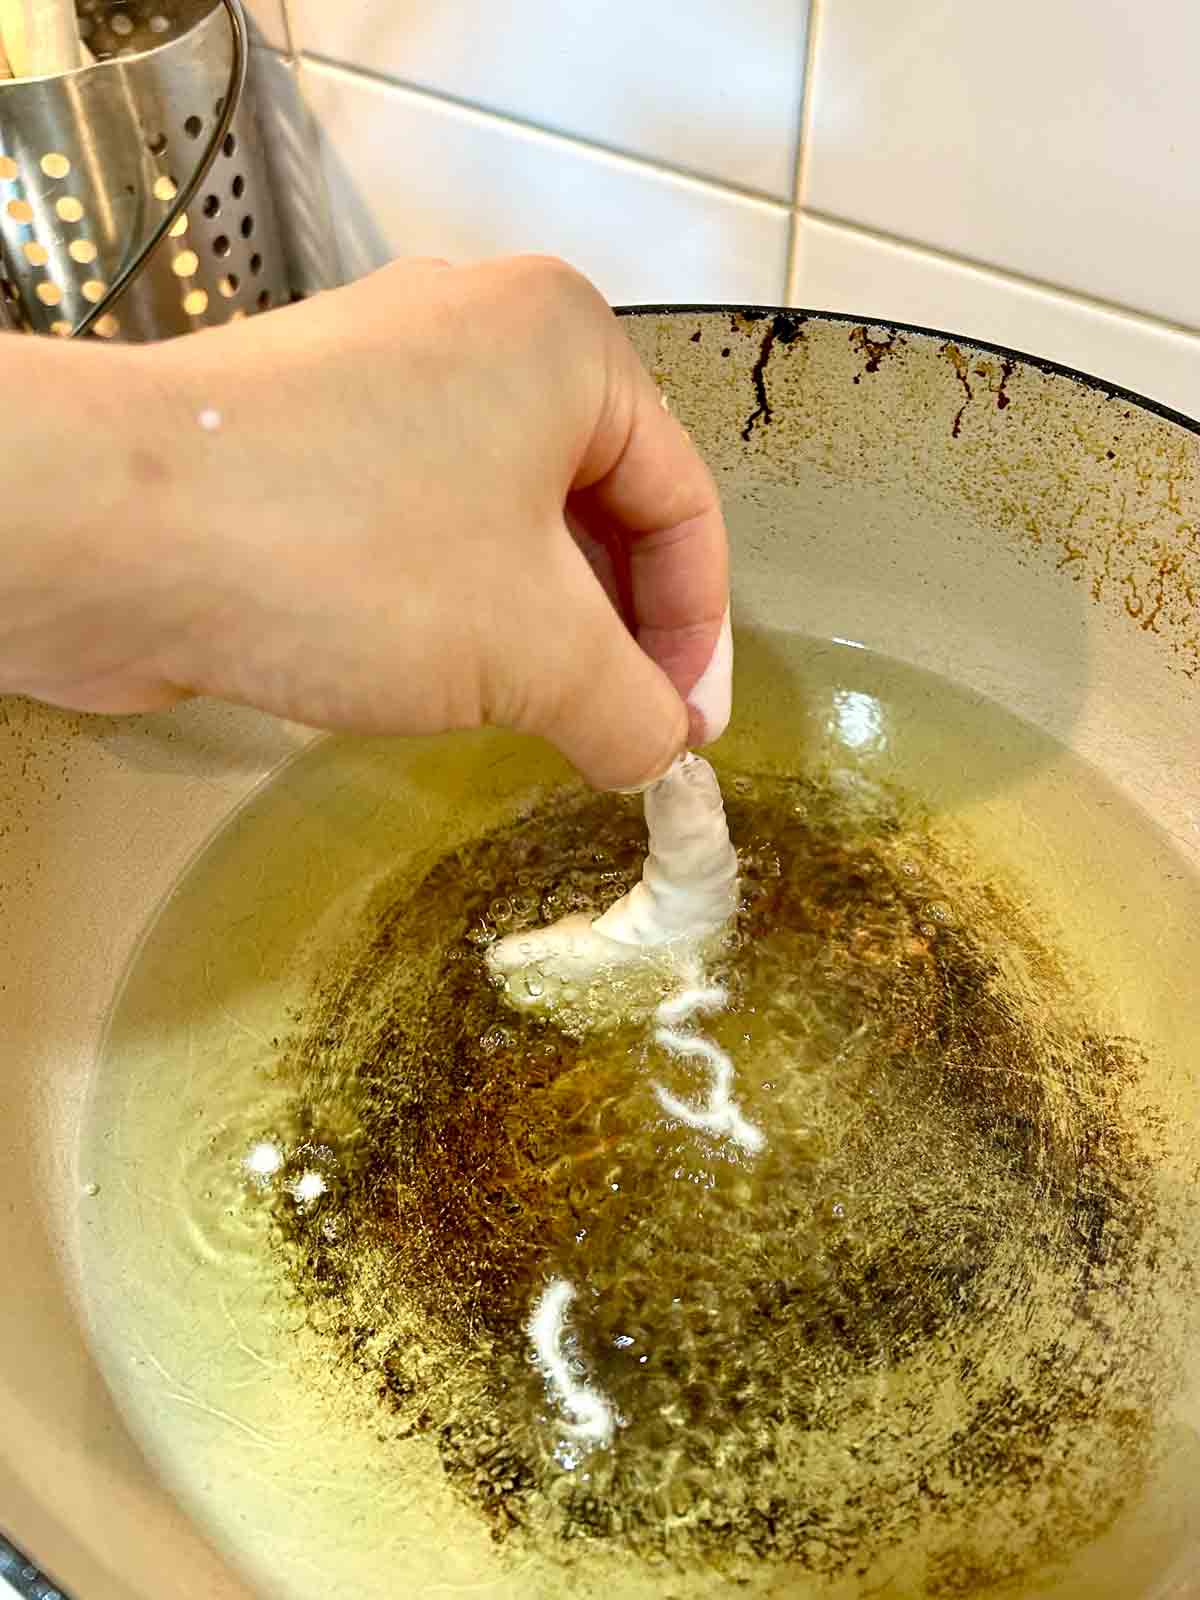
(1023, 173)
(843, 269)
(1057, 138)
(712, 87)
(412, 175)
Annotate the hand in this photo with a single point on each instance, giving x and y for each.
(438, 498)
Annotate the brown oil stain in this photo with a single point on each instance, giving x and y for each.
(1078, 482)
(963, 369)
(997, 376)
(783, 329)
(874, 349)
(1103, 492)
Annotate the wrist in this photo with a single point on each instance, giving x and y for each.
(84, 567)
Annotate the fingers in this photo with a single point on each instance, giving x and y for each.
(645, 493)
(588, 686)
(694, 648)
(609, 562)
(710, 698)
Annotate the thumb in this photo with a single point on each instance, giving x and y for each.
(590, 688)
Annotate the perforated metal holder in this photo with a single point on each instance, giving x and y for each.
(93, 161)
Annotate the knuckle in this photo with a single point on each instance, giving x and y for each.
(558, 278)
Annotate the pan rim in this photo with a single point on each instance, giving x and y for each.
(803, 313)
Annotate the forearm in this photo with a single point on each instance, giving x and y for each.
(89, 455)
(401, 507)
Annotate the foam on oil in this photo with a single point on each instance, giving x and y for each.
(923, 1342)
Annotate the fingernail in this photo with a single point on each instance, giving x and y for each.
(711, 697)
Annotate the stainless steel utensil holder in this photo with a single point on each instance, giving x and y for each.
(94, 161)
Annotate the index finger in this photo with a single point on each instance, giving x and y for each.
(644, 490)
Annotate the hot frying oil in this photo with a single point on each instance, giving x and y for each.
(924, 1342)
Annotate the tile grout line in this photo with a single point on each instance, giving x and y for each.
(1025, 280)
(804, 138)
(791, 245)
(799, 148)
(504, 119)
(805, 133)
(334, 256)
(289, 32)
